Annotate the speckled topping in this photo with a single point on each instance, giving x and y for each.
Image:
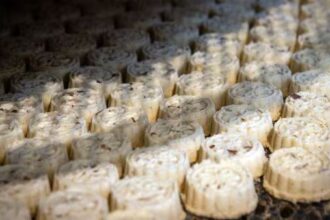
(307, 104)
(273, 36)
(72, 44)
(181, 106)
(228, 182)
(72, 204)
(101, 79)
(265, 52)
(111, 57)
(21, 46)
(130, 39)
(278, 75)
(36, 83)
(84, 102)
(163, 162)
(54, 124)
(136, 91)
(303, 130)
(138, 19)
(153, 195)
(317, 81)
(103, 147)
(11, 65)
(189, 17)
(307, 171)
(150, 70)
(48, 61)
(20, 103)
(42, 30)
(236, 147)
(58, 13)
(277, 21)
(47, 156)
(174, 32)
(215, 42)
(318, 40)
(88, 175)
(165, 130)
(161, 50)
(195, 82)
(231, 29)
(11, 209)
(234, 11)
(249, 92)
(308, 59)
(25, 184)
(90, 26)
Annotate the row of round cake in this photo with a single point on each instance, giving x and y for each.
(236, 160)
(156, 80)
(139, 15)
(177, 27)
(81, 43)
(78, 102)
(166, 31)
(302, 60)
(80, 111)
(220, 62)
(74, 39)
(33, 11)
(190, 14)
(198, 61)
